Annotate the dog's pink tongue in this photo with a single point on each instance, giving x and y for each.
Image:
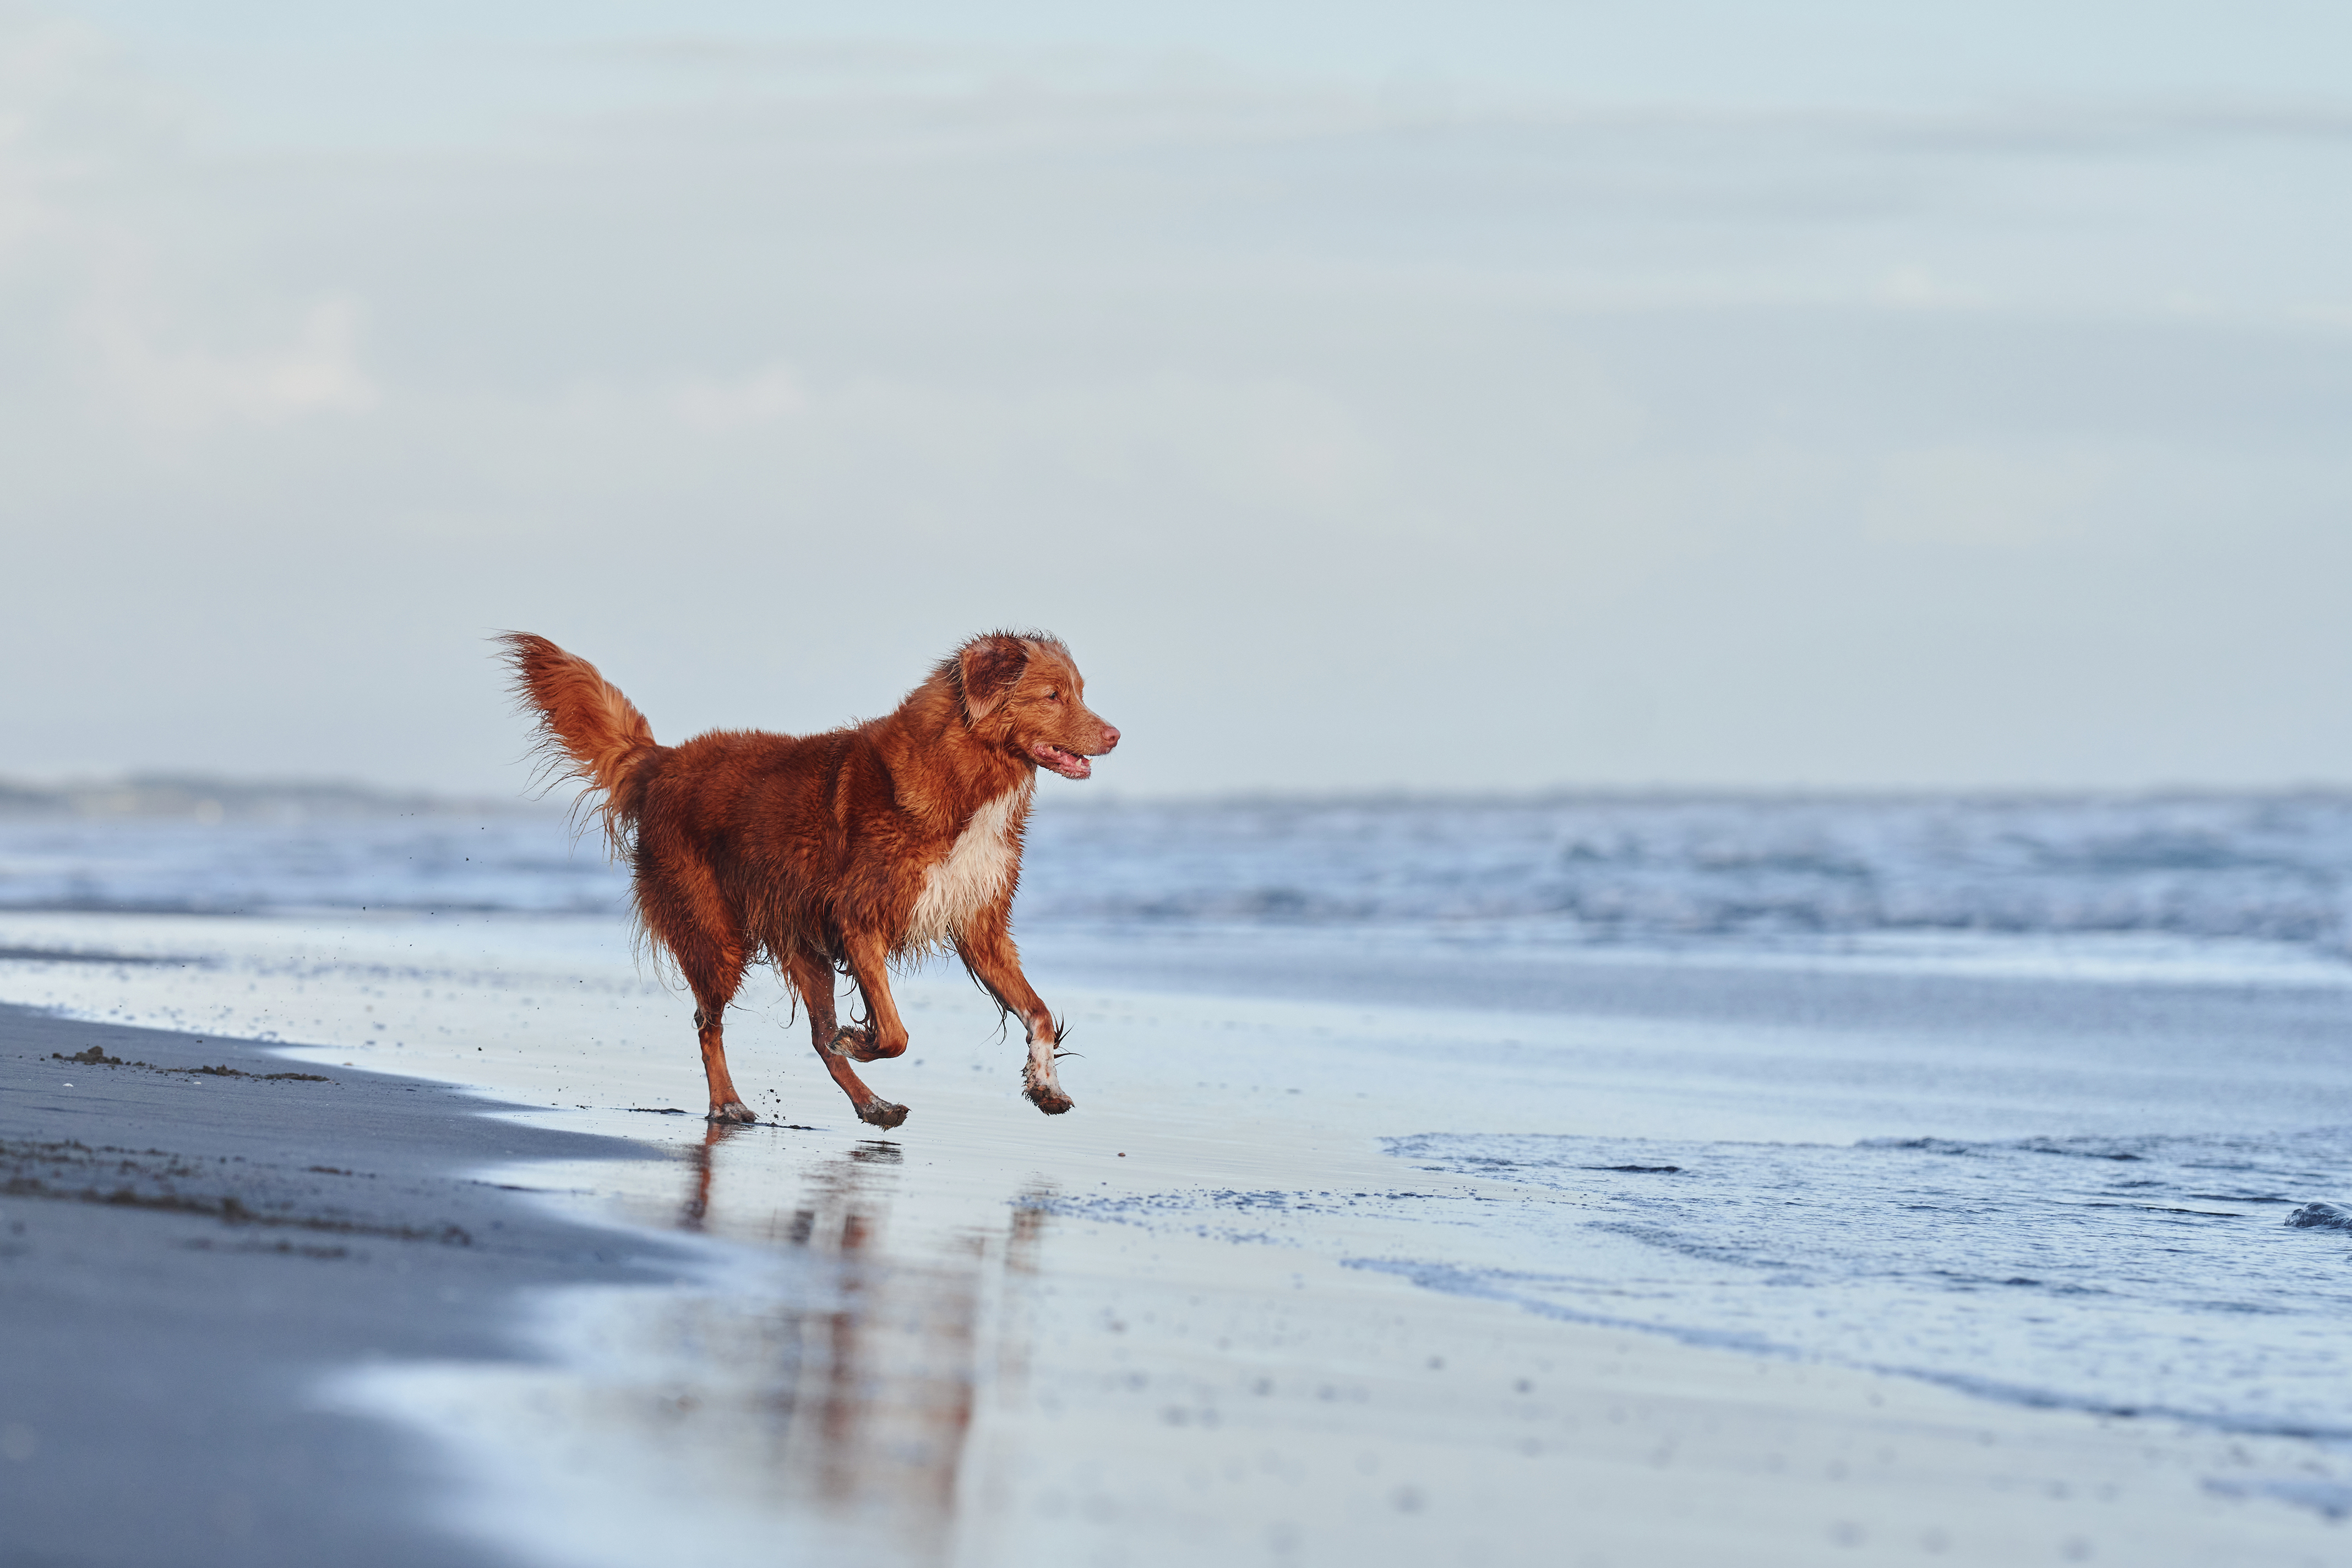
(1069, 764)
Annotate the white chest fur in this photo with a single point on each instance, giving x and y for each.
(977, 868)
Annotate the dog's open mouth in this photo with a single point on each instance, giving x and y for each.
(1069, 764)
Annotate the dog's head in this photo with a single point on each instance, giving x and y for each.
(1025, 694)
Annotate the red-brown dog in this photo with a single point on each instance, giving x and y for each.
(898, 838)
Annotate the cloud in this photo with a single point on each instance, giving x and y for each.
(1988, 496)
(721, 405)
(134, 364)
(1917, 289)
(1628, 430)
(104, 269)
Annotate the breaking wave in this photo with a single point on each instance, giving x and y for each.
(2274, 867)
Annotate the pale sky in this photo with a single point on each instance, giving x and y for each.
(1463, 396)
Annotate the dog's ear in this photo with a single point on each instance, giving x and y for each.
(989, 668)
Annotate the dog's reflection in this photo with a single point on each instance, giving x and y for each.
(700, 1161)
(873, 1367)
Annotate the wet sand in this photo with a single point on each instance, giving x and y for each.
(1196, 1319)
(184, 1255)
(1050, 1390)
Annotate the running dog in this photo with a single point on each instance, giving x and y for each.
(894, 839)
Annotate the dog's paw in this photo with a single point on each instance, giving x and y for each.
(1047, 1098)
(733, 1110)
(882, 1113)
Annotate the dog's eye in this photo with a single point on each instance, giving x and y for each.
(1052, 697)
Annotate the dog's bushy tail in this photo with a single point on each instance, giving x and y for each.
(587, 730)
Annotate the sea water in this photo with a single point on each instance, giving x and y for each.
(2018, 1095)
(2151, 1275)
(2272, 867)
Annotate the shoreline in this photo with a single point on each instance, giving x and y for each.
(184, 1255)
(1184, 1321)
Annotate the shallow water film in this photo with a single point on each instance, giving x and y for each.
(2149, 1275)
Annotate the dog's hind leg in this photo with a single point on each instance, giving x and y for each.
(725, 1105)
(711, 952)
(813, 978)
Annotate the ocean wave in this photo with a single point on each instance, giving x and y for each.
(2274, 868)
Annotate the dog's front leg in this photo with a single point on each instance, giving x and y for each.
(813, 978)
(987, 951)
(885, 1033)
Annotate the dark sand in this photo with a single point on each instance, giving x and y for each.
(182, 1255)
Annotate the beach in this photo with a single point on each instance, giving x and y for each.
(1351, 1251)
(193, 1237)
(1650, 690)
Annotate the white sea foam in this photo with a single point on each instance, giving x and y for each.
(2259, 867)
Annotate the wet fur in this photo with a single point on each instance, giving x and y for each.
(841, 851)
